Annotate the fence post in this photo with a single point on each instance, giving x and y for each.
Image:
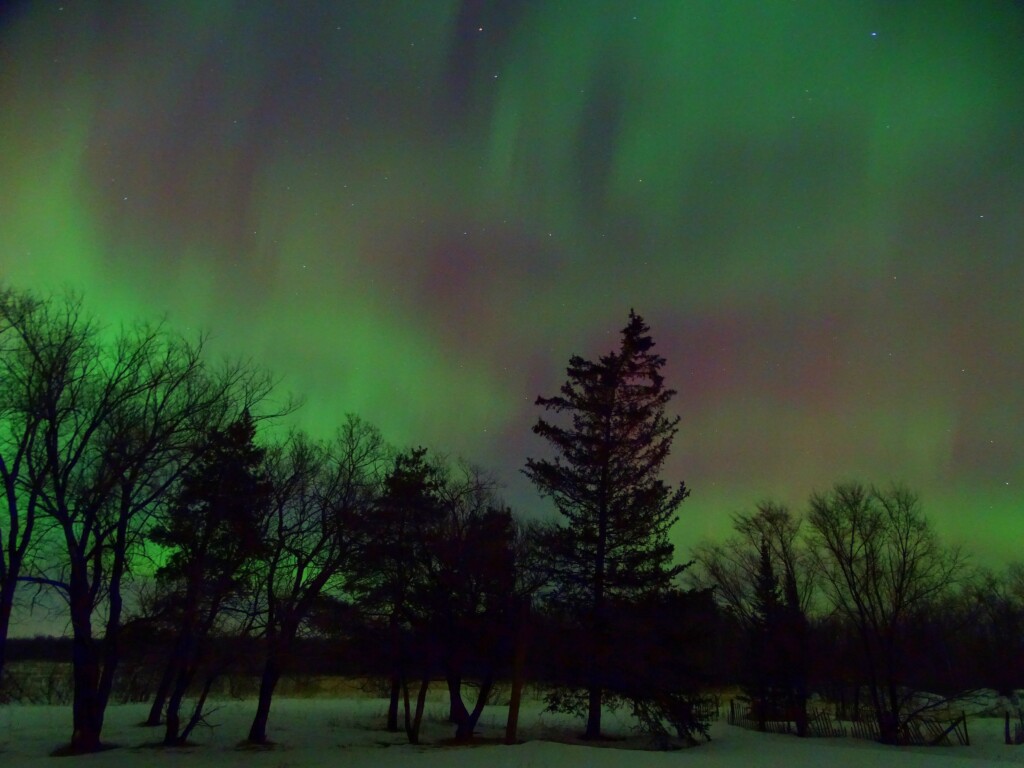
(967, 737)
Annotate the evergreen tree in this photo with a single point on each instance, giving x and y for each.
(765, 571)
(436, 574)
(882, 565)
(795, 651)
(213, 530)
(613, 545)
(388, 578)
(763, 658)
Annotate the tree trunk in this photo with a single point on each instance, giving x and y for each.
(414, 721)
(271, 675)
(15, 549)
(593, 713)
(172, 736)
(6, 603)
(279, 646)
(801, 714)
(457, 712)
(888, 728)
(183, 652)
(86, 707)
(111, 648)
(395, 632)
(173, 722)
(185, 661)
(421, 700)
(892, 725)
(86, 713)
(467, 725)
(156, 710)
(518, 667)
(800, 665)
(597, 635)
(879, 711)
(197, 712)
(514, 702)
(396, 692)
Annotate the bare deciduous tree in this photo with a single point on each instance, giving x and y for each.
(212, 532)
(881, 561)
(771, 539)
(320, 491)
(991, 618)
(731, 567)
(19, 429)
(118, 417)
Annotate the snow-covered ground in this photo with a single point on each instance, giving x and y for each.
(315, 733)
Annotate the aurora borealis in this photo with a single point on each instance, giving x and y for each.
(417, 211)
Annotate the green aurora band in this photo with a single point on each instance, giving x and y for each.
(416, 211)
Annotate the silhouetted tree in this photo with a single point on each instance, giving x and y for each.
(532, 575)
(321, 491)
(438, 571)
(764, 652)
(469, 586)
(880, 562)
(738, 569)
(22, 387)
(605, 483)
(385, 576)
(796, 651)
(992, 637)
(213, 532)
(666, 639)
(118, 415)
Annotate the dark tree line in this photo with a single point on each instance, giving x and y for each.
(763, 575)
(131, 463)
(861, 602)
(99, 427)
(212, 534)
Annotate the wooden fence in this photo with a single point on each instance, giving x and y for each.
(741, 716)
(932, 732)
(916, 731)
(708, 709)
(821, 723)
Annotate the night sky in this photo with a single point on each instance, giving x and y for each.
(417, 211)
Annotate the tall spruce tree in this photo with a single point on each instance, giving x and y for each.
(613, 545)
(763, 658)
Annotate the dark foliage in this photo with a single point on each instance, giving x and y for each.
(391, 570)
(604, 480)
(213, 534)
(341, 557)
(883, 569)
(116, 425)
(437, 577)
(312, 529)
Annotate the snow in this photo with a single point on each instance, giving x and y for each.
(317, 733)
